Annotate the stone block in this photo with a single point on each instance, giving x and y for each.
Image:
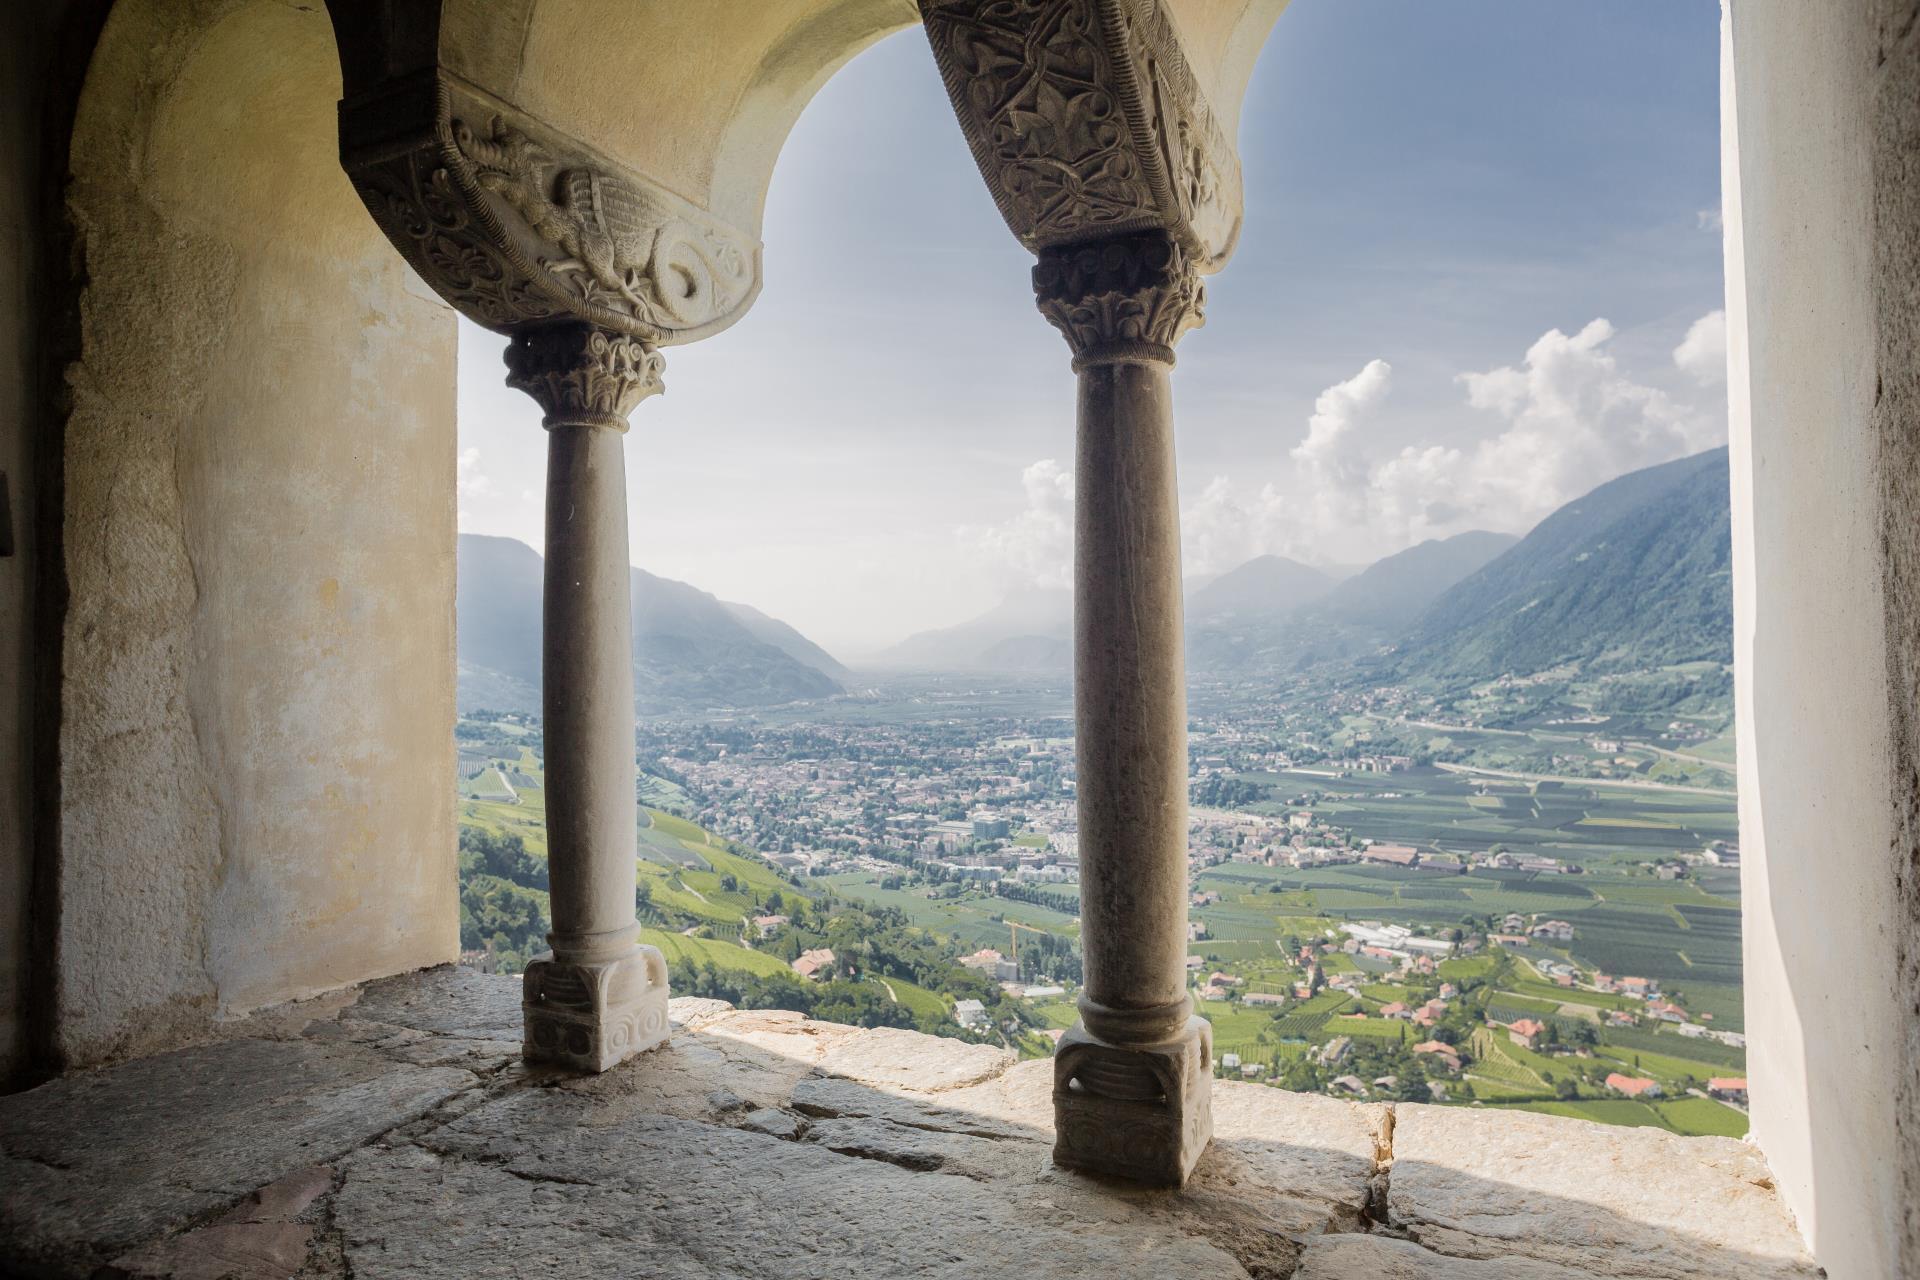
(1142, 1113)
(1510, 1184)
(592, 1016)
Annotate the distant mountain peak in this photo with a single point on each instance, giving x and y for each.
(1264, 586)
(690, 650)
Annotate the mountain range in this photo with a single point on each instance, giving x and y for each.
(1631, 575)
(1270, 611)
(690, 649)
(1634, 575)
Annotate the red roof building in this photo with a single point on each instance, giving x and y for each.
(1633, 1086)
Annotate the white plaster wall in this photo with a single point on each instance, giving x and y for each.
(256, 746)
(1824, 925)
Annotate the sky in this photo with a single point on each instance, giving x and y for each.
(1480, 273)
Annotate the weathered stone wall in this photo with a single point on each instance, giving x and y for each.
(1822, 278)
(1896, 212)
(255, 750)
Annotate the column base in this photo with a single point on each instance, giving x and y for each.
(1140, 1112)
(591, 1016)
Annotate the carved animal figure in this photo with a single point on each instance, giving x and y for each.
(620, 241)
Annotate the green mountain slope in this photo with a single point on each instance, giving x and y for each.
(689, 649)
(770, 630)
(1392, 592)
(1632, 576)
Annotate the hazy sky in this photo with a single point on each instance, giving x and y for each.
(1480, 274)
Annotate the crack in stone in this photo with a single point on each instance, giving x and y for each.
(911, 1161)
(45, 1162)
(1375, 1210)
(819, 1111)
(528, 1175)
(329, 1236)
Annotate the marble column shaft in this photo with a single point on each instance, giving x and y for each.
(598, 996)
(1132, 1078)
(587, 695)
(1130, 706)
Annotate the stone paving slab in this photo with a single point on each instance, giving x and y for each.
(98, 1162)
(1478, 1183)
(762, 1144)
(1377, 1257)
(536, 1184)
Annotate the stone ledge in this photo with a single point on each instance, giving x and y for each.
(1482, 1184)
(762, 1143)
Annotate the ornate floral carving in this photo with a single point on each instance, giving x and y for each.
(516, 225)
(1086, 121)
(583, 376)
(1126, 298)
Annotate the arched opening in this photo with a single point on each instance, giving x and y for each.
(249, 643)
(845, 412)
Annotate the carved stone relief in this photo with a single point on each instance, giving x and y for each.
(1125, 298)
(591, 1016)
(1086, 121)
(583, 376)
(1142, 1112)
(515, 224)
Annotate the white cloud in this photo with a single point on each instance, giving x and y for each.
(1572, 421)
(1702, 354)
(1709, 220)
(1567, 418)
(1035, 546)
(1329, 447)
(1223, 530)
(469, 482)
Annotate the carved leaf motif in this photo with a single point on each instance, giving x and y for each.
(1085, 120)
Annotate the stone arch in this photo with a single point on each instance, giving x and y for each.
(257, 522)
(258, 533)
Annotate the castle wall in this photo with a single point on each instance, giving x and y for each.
(255, 751)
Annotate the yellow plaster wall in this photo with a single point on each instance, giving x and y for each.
(256, 748)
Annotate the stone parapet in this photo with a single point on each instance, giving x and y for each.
(393, 1131)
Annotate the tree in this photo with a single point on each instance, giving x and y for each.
(1411, 1083)
(1566, 1090)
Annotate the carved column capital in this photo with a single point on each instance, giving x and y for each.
(582, 375)
(1123, 299)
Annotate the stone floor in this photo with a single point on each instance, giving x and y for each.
(393, 1132)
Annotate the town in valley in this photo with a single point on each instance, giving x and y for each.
(1502, 900)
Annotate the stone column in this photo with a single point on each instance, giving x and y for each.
(1132, 1079)
(598, 996)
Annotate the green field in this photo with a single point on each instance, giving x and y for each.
(922, 1001)
(970, 918)
(1058, 1013)
(1578, 820)
(1684, 1115)
(722, 955)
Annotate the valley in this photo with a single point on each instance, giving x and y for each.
(1462, 823)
